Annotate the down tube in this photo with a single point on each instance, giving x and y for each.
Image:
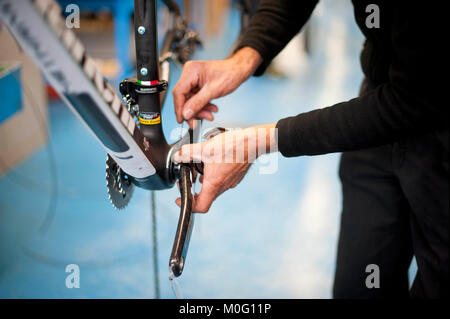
(40, 30)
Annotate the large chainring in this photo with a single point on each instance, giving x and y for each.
(118, 184)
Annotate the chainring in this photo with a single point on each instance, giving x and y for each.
(120, 188)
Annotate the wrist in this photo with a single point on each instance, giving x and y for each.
(257, 141)
(247, 60)
(243, 145)
(267, 138)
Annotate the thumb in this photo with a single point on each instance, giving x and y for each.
(204, 200)
(189, 153)
(196, 102)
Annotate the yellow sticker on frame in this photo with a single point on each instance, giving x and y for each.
(149, 118)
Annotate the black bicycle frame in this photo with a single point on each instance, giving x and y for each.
(147, 68)
(141, 151)
(150, 91)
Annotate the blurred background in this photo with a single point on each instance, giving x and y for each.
(274, 236)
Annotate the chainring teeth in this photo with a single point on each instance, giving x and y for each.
(119, 189)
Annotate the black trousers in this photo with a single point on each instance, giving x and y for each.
(395, 205)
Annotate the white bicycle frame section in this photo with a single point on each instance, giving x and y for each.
(40, 29)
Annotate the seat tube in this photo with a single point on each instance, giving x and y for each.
(147, 69)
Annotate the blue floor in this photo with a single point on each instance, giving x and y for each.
(274, 236)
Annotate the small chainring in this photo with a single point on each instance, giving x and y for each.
(119, 186)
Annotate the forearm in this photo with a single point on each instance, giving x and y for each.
(246, 60)
(408, 103)
(379, 117)
(273, 25)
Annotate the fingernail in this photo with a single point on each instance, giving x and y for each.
(188, 114)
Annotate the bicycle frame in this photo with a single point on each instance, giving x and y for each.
(140, 150)
(40, 30)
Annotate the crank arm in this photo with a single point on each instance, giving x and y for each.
(185, 222)
(187, 175)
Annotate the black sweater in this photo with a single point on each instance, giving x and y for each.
(400, 60)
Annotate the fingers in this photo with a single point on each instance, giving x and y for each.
(178, 100)
(186, 85)
(203, 200)
(191, 95)
(196, 103)
(207, 115)
(211, 107)
(189, 153)
(206, 112)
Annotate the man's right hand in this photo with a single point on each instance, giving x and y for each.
(203, 81)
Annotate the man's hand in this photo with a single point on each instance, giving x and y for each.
(203, 81)
(226, 158)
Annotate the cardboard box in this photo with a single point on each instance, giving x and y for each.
(25, 130)
(10, 90)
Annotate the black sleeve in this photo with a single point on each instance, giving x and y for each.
(273, 25)
(411, 102)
